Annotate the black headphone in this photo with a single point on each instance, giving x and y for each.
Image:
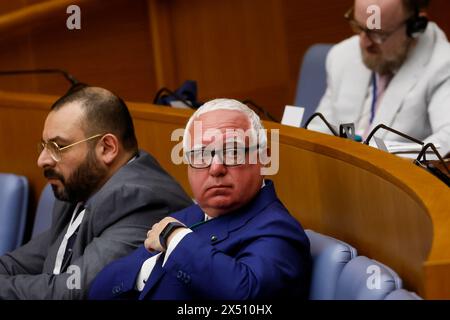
(416, 24)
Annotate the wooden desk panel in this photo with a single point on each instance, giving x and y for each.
(388, 208)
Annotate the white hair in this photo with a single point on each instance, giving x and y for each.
(256, 127)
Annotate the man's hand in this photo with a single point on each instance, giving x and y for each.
(152, 242)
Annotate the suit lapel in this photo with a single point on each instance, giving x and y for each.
(403, 82)
(192, 215)
(156, 274)
(359, 92)
(350, 102)
(59, 227)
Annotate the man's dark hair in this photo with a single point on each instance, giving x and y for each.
(104, 112)
(415, 5)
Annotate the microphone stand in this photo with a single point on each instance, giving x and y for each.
(73, 81)
(260, 109)
(318, 114)
(392, 130)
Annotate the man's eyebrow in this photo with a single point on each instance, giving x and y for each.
(58, 139)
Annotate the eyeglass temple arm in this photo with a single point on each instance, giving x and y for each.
(73, 144)
(392, 130)
(348, 14)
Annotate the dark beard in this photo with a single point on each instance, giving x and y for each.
(82, 183)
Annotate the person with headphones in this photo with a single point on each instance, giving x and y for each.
(395, 72)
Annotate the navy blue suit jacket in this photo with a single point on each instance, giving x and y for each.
(257, 252)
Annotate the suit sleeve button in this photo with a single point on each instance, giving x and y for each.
(117, 289)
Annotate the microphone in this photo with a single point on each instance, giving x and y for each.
(346, 130)
(250, 103)
(374, 130)
(431, 166)
(421, 160)
(70, 78)
(318, 114)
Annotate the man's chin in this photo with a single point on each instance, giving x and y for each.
(59, 192)
(226, 204)
(371, 61)
(220, 202)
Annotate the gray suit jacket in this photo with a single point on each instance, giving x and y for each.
(116, 220)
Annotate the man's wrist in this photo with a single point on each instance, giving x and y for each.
(173, 234)
(168, 232)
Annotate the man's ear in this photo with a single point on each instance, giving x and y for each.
(264, 156)
(108, 148)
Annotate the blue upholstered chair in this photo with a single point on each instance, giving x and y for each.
(13, 210)
(329, 258)
(312, 80)
(402, 294)
(43, 217)
(366, 279)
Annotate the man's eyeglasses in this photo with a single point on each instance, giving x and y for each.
(202, 158)
(55, 150)
(376, 36)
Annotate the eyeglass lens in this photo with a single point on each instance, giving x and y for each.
(203, 158)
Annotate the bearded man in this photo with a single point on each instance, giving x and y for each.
(108, 195)
(395, 72)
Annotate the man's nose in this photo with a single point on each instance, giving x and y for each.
(365, 40)
(45, 159)
(217, 167)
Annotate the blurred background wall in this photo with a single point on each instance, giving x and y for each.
(245, 49)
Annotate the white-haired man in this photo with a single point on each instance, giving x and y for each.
(238, 242)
